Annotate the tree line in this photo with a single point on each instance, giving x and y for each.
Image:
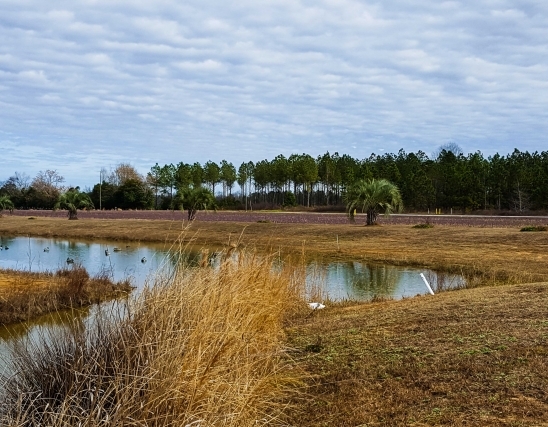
(447, 180)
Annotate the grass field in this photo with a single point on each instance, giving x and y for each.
(473, 357)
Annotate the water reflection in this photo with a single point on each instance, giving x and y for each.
(359, 281)
(334, 280)
(31, 331)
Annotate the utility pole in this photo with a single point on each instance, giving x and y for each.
(100, 185)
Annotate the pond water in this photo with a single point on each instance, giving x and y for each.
(325, 280)
(124, 260)
(335, 280)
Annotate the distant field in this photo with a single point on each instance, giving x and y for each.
(299, 217)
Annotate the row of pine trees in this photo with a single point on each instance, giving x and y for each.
(448, 180)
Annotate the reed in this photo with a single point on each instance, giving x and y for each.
(201, 347)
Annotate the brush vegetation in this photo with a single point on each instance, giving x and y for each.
(202, 347)
(26, 295)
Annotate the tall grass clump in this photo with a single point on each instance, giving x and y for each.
(202, 347)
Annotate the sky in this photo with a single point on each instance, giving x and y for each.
(88, 84)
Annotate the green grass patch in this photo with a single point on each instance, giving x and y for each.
(534, 228)
(424, 225)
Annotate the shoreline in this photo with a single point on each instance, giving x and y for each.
(495, 255)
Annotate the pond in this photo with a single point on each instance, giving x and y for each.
(337, 279)
(326, 280)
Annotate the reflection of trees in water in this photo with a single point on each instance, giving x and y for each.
(194, 258)
(185, 258)
(57, 320)
(441, 281)
(354, 280)
(317, 286)
(370, 281)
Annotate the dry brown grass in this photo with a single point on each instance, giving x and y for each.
(465, 358)
(203, 348)
(25, 295)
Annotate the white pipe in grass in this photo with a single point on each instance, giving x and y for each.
(316, 305)
(427, 284)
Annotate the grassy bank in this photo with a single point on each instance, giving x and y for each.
(474, 357)
(25, 295)
(202, 348)
(490, 255)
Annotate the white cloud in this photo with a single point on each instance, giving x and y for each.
(167, 81)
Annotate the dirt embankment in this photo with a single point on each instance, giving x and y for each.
(296, 217)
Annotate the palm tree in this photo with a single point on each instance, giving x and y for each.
(373, 196)
(5, 204)
(73, 200)
(193, 199)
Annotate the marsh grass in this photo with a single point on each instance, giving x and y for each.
(201, 347)
(29, 295)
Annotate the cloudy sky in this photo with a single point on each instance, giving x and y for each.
(86, 84)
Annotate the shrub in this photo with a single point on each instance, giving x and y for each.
(534, 228)
(424, 225)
